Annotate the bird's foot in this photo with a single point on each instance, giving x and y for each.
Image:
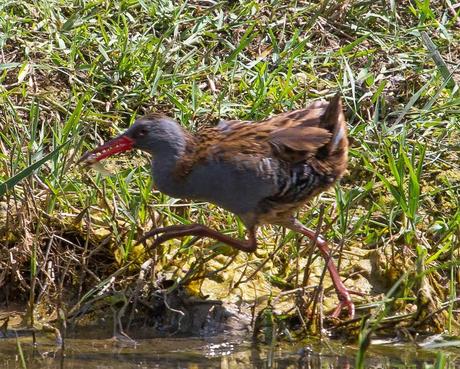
(344, 301)
(342, 292)
(199, 231)
(166, 233)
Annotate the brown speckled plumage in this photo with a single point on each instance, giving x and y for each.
(300, 138)
(291, 137)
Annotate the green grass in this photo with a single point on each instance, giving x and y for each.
(83, 70)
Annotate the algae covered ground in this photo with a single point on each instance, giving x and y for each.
(75, 73)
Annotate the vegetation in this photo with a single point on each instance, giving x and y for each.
(75, 73)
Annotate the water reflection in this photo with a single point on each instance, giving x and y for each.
(192, 353)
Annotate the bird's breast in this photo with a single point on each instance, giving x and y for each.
(237, 189)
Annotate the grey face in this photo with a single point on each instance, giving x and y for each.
(155, 134)
(143, 133)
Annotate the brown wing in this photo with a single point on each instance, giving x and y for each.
(290, 136)
(297, 143)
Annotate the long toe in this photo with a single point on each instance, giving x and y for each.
(160, 230)
(345, 301)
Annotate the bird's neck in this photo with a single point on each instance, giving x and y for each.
(166, 161)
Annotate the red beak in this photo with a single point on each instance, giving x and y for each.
(119, 144)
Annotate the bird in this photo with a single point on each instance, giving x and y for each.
(262, 171)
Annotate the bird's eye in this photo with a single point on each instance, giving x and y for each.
(142, 132)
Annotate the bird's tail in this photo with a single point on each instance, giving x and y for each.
(335, 152)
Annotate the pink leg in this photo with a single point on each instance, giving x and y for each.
(342, 292)
(177, 231)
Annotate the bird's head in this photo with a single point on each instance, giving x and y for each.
(155, 134)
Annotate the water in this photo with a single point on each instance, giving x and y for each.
(196, 353)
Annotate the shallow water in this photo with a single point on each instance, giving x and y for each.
(194, 353)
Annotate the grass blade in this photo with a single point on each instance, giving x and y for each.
(438, 60)
(13, 181)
